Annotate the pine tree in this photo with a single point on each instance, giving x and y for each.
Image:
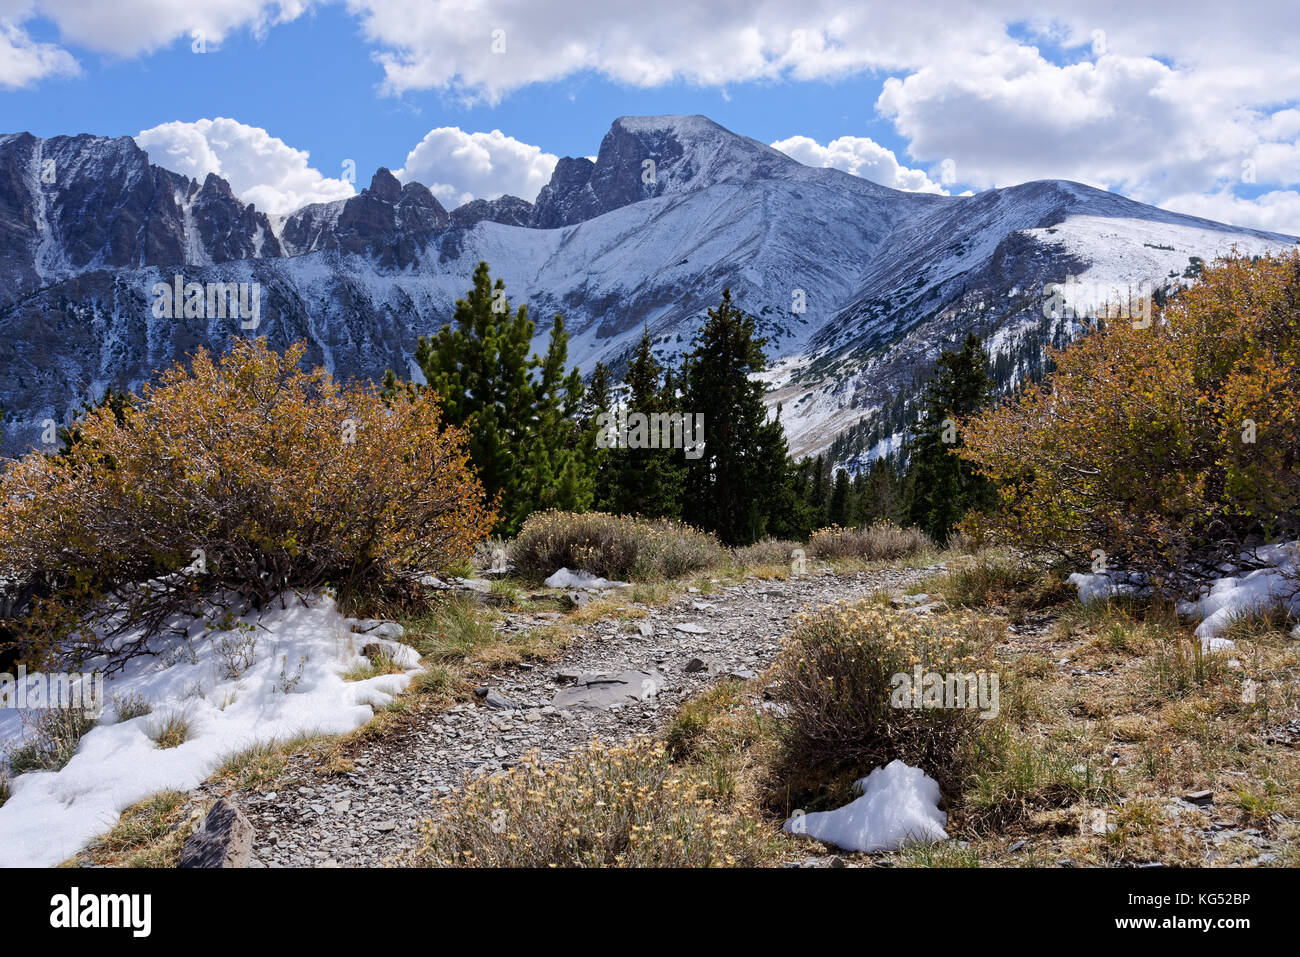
(858, 497)
(597, 400)
(647, 481)
(879, 501)
(556, 462)
(732, 487)
(819, 493)
(940, 487)
(838, 512)
(520, 410)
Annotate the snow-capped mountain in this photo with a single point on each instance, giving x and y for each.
(857, 286)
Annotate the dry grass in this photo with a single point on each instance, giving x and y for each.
(51, 741)
(150, 833)
(603, 807)
(988, 579)
(380, 664)
(170, 732)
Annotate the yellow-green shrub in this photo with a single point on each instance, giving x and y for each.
(835, 677)
(1169, 447)
(244, 473)
(603, 807)
(612, 546)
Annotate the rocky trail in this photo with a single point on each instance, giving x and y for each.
(616, 681)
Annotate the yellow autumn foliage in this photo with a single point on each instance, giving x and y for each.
(244, 473)
(1165, 447)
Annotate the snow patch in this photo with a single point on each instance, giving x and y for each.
(294, 684)
(566, 578)
(899, 805)
(1222, 599)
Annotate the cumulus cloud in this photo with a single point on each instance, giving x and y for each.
(458, 166)
(1158, 100)
(130, 27)
(23, 61)
(861, 156)
(1276, 212)
(260, 168)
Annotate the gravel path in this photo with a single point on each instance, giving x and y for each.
(372, 814)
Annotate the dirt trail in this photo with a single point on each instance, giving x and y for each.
(373, 813)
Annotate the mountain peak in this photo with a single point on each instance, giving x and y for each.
(384, 185)
(642, 157)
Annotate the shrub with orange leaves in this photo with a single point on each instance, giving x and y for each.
(1169, 448)
(244, 474)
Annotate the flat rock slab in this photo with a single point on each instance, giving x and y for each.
(224, 840)
(690, 628)
(495, 699)
(604, 691)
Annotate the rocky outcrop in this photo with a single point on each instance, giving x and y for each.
(224, 840)
(507, 210)
(388, 223)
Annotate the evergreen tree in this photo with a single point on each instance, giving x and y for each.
(858, 497)
(557, 460)
(819, 492)
(791, 515)
(647, 481)
(597, 400)
(838, 512)
(940, 487)
(743, 470)
(879, 501)
(520, 410)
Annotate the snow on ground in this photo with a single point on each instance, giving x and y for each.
(566, 578)
(294, 685)
(899, 805)
(1234, 595)
(1099, 586)
(1222, 599)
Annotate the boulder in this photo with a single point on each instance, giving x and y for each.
(604, 691)
(224, 840)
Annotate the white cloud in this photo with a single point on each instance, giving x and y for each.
(260, 168)
(23, 61)
(459, 166)
(1277, 211)
(861, 156)
(1158, 100)
(130, 27)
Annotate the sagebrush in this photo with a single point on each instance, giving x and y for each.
(603, 807)
(883, 541)
(612, 546)
(835, 677)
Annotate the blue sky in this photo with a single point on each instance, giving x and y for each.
(313, 84)
(1167, 103)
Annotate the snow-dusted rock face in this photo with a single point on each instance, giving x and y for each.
(856, 286)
